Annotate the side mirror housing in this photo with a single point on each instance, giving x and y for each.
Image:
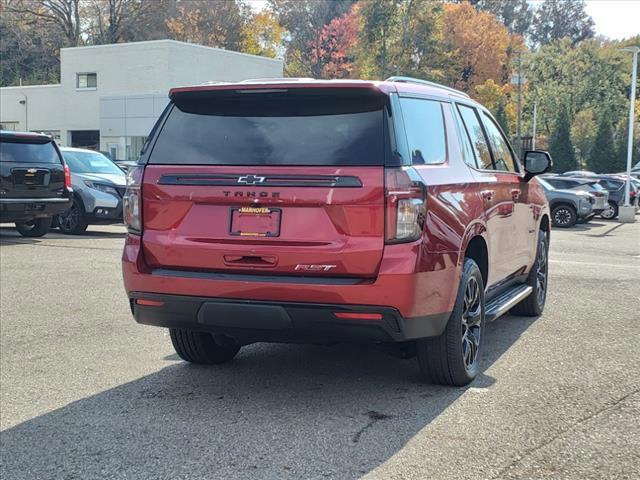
(536, 162)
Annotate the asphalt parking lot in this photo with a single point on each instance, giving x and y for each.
(87, 393)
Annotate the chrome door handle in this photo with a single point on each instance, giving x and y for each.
(488, 194)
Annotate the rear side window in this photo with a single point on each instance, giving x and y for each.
(20, 152)
(272, 129)
(424, 126)
(476, 136)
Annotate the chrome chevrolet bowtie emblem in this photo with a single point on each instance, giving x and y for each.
(250, 179)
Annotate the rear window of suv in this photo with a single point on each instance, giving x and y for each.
(21, 152)
(272, 129)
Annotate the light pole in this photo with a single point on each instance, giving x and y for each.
(627, 212)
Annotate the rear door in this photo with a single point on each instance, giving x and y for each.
(284, 182)
(30, 168)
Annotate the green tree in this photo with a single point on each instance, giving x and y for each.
(501, 117)
(516, 15)
(588, 75)
(556, 19)
(560, 145)
(583, 132)
(400, 37)
(602, 158)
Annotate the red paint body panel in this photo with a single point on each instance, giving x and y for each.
(188, 227)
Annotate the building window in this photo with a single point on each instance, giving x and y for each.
(13, 126)
(87, 80)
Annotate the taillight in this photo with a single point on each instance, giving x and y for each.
(67, 176)
(405, 202)
(132, 201)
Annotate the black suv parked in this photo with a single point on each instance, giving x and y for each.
(35, 184)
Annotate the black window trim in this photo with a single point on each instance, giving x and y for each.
(484, 132)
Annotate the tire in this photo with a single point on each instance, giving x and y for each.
(453, 357)
(37, 227)
(533, 305)
(563, 216)
(74, 220)
(611, 212)
(201, 347)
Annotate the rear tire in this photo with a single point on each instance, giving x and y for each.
(533, 305)
(564, 216)
(453, 357)
(610, 212)
(37, 227)
(74, 220)
(201, 347)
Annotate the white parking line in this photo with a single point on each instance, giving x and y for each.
(592, 264)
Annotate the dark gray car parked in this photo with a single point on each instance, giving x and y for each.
(567, 206)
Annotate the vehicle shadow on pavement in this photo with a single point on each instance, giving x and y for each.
(277, 411)
(10, 236)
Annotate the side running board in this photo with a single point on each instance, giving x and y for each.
(500, 305)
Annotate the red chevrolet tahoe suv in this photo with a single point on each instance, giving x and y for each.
(299, 210)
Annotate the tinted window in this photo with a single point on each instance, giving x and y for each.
(424, 126)
(28, 152)
(611, 184)
(501, 153)
(275, 130)
(476, 135)
(559, 183)
(90, 162)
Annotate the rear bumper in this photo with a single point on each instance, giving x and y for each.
(291, 322)
(24, 209)
(418, 301)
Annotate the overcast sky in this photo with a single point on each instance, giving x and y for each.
(614, 18)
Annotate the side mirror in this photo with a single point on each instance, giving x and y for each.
(536, 162)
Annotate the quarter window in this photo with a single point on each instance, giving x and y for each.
(87, 80)
(424, 126)
(501, 152)
(476, 135)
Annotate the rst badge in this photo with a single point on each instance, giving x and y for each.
(314, 268)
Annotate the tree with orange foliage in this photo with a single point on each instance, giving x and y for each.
(480, 46)
(336, 43)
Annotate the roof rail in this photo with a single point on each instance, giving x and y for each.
(425, 82)
(276, 80)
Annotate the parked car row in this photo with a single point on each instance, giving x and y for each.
(43, 186)
(578, 196)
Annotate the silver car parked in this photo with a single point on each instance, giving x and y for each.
(98, 186)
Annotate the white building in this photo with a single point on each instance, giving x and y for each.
(109, 96)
